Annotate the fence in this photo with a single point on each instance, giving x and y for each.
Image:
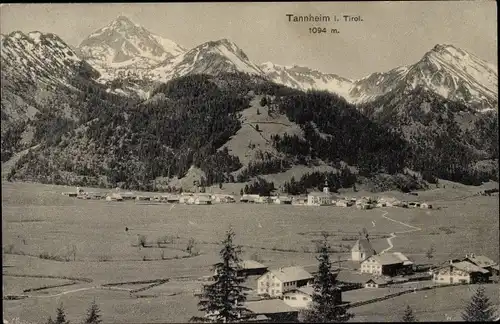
(365, 302)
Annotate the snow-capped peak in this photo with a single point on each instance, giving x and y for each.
(451, 72)
(123, 44)
(304, 78)
(213, 57)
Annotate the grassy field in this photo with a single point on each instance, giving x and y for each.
(430, 305)
(87, 239)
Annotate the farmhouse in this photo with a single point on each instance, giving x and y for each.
(343, 203)
(425, 206)
(389, 264)
(201, 200)
(483, 262)
(377, 282)
(282, 200)
(114, 197)
(172, 199)
(362, 250)
(128, 196)
(142, 198)
(302, 297)
(349, 280)
(301, 200)
(223, 199)
(460, 272)
(249, 198)
(274, 310)
(275, 282)
(250, 268)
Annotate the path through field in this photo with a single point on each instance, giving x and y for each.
(393, 235)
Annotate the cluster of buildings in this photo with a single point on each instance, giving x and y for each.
(326, 198)
(279, 294)
(183, 198)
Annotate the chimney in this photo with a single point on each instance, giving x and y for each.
(466, 255)
(472, 255)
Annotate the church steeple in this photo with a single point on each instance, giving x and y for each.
(326, 189)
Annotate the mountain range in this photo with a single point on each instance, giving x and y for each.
(52, 91)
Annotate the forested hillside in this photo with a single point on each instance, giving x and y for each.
(184, 123)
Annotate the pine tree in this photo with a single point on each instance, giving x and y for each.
(93, 316)
(479, 309)
(408, 315)
(222, 300)
(325, 301)
(50, 321)
(61, 316)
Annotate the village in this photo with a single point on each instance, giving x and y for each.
(319, 198)
(279, 294)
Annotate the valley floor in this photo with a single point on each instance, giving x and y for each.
(76, 247)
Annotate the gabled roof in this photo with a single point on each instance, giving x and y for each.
(363, 245)
(291, 274)
(481, 261)
(385, 259)
(403, 258)
(378, 281)
(352, 277)
(251, 264)
(269, 306)
(468, 267)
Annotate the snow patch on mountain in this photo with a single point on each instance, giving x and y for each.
(212, 57)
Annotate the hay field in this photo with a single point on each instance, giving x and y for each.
(91, 236)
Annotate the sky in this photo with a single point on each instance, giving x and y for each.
(391, 34)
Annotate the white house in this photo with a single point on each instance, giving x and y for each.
(114, 197)
(460, 272)
(202, 200)
(377, 282)
(282, 200)
(362, 250)
(275, 282)
(389, 264)
(299, 297)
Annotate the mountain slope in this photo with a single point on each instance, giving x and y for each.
(32, 67)
(123, 46)
(446, 70)
(304, 78)
(222, 56)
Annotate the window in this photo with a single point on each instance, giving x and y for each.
(294, 298)
(287, 297)
(304, 298)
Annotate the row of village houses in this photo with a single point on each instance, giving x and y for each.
(324, 198)
(279, 294)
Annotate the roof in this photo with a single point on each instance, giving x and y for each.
(481, 261)
(308, 290)
(320, 194)
(352, 277)
(251, 264)
(378, 281)
(203, 198)
(496, 267)
(468, 267)
(385, 259)
(403, 258)
(269, 306)
(291, 274)
(362, 245)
